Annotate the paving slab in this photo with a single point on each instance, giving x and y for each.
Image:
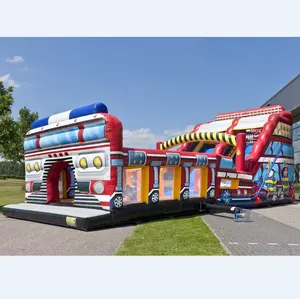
(262, 236)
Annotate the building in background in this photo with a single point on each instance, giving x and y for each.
(289, 98)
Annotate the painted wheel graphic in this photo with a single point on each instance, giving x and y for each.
(118, 202)
(226, 195)
(154, 197)
(274, 197)
(186, 194)
(211, 193)
(281, 194)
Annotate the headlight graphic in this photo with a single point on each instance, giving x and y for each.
(83, 163)
(28, 168)
(36, 167)
(97, 162)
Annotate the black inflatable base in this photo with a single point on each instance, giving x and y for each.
(91, 218)
(87, 219)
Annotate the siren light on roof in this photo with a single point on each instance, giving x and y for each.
(71, 114)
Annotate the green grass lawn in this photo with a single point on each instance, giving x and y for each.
(11, 191)
(179, 236)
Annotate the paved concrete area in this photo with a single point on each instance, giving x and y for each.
(289, 214)
(18, 237)
(272, 231)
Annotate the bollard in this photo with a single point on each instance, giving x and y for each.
(241, 215)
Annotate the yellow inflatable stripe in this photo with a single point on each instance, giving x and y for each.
(191, 137)
(214, 135)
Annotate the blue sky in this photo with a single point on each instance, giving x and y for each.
(157, 86)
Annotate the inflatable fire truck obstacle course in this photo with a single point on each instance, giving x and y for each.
(78, 174)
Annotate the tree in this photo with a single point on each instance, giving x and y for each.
(10, 168)
(6, 120)
(12, 132)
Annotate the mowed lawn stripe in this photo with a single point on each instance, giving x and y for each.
(11, 191)
(179, 236)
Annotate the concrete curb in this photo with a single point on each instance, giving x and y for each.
(221, 242)
(115, 253)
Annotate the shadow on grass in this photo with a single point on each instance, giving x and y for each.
(155, 219)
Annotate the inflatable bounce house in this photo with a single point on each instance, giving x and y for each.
(78, 173)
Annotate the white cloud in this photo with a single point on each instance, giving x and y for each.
(174, 133)
(4, 78)
(13, 83)
(146, 138)
(15, 60)
(7, 79)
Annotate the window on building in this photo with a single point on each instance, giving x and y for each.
(296, 132)
(166, 183)
(132, 183)
(195, 182)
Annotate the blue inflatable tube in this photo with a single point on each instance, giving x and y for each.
(40, 123)
(75, 113)
(87, 110)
